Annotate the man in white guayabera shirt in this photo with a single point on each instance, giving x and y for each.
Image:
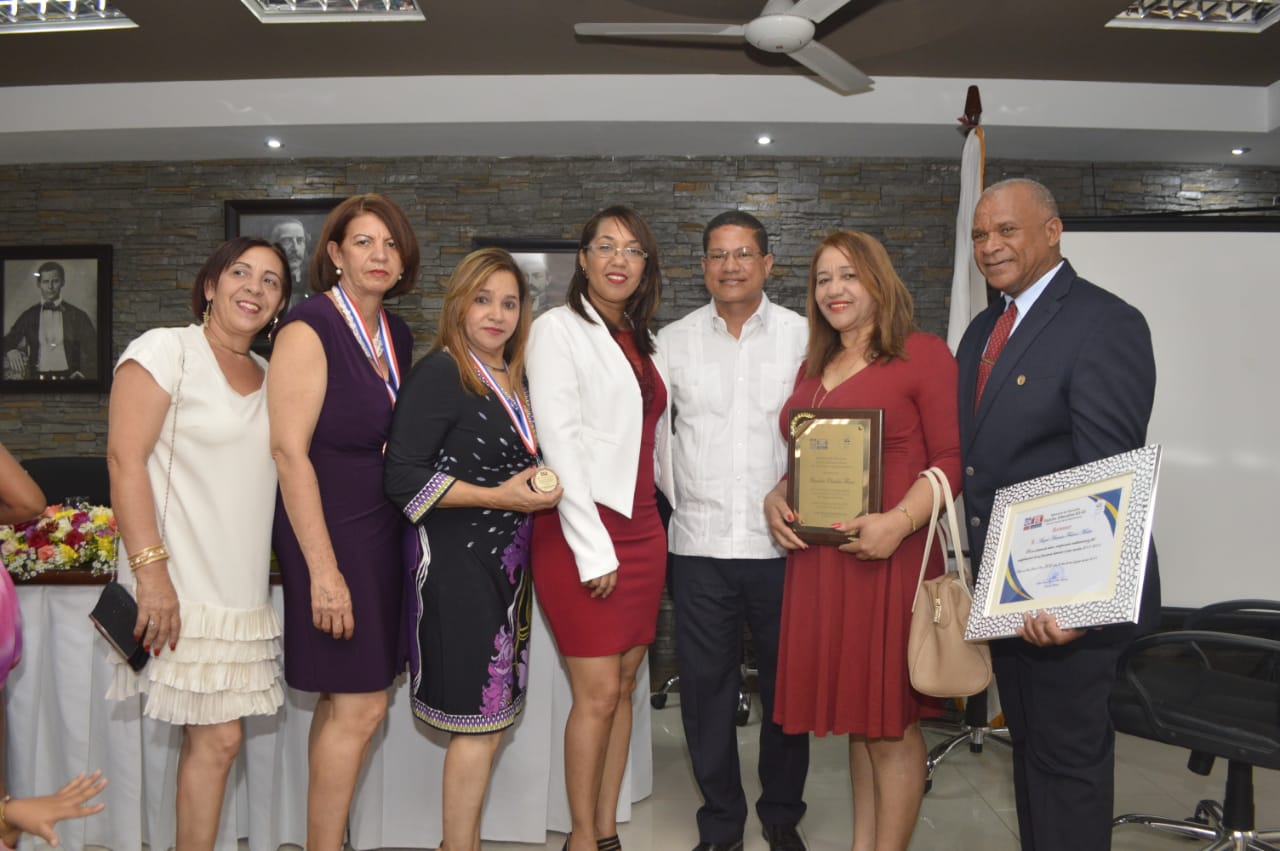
(732, 366)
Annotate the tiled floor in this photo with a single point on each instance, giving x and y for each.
(969, 807)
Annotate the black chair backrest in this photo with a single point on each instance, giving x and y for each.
(66, 478)
(1214, 693)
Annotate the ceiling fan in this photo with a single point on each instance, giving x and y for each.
(784, 26)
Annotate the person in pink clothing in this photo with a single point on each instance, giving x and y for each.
(21, 499)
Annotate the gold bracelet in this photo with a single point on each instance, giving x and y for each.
(136, 566)
(910, 519)
(158, 554)
(4, 802)
(141, 556)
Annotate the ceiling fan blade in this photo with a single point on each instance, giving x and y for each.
(660, 30)
(817, 10)
(830, 66)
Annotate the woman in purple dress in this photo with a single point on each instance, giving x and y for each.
(331, 390)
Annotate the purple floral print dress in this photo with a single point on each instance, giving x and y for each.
(469, 586)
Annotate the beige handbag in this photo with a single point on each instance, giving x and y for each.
(940, 661)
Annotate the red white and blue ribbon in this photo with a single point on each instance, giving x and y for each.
(392, 381)
(519, 416)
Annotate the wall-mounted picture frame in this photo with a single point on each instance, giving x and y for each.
(546, 263)
(295, 223)
(55, 313)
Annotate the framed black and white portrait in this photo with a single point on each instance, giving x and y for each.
(55, 313)
(293, 223)
(547, 265)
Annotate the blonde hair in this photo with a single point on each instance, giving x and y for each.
(469, 276)
(894, 319)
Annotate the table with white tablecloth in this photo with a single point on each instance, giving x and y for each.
(59, 723)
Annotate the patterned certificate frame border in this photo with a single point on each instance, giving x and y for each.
(1129, 569)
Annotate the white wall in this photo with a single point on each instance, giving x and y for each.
(1212, 298)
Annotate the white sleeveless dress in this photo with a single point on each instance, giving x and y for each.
(217, 529)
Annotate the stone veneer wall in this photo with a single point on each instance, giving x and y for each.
(163, 219)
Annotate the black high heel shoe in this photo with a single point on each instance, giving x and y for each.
(609, 843)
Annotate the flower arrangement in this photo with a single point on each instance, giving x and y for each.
(63, 537)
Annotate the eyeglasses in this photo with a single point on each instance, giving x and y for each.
(742, 255)
(608, 251)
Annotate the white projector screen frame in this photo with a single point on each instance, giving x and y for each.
(1210, 291)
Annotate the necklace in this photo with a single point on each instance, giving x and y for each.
(212, 339)
(869, 356)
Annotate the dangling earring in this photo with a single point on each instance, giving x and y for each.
(275, 323)
(208, 308)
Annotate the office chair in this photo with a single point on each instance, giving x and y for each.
(973, 728)
(1218, 695)
(741, 713)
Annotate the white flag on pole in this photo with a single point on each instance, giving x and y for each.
(968, 287)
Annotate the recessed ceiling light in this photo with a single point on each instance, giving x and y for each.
(764, 139)
(274, 143)
(37, 16)
(1239, 152)
(332, 11)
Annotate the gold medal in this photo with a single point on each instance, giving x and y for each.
(545, 480)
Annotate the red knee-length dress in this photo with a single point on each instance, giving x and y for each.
(586, 626)
(842, 657)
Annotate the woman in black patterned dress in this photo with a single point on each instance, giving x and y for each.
(460, 461)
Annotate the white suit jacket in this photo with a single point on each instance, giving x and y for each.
(588, 413)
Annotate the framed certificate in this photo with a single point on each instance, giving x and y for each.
(833, 469)
(1072, 543)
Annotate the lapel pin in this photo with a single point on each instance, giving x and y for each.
(1022, 379)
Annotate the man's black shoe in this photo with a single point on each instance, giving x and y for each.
(783, 837)
(719, 846)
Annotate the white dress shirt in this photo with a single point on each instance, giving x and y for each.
(727, 451)
(51, 354)
(1028, 297)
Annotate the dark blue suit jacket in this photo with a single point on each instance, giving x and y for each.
(1074, 384)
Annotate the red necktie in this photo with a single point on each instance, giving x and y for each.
(995, 345)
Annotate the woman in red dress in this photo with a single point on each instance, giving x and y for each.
(599, 560)
(842, 657)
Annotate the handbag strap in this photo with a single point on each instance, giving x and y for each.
(173, 441)
(941, 499)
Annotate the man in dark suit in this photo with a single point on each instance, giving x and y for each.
(1073, 383)
(53, 339)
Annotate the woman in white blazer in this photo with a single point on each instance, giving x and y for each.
(599, 560)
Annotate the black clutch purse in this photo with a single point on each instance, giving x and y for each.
(115, 616)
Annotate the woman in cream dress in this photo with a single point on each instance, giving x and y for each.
(193, 486)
